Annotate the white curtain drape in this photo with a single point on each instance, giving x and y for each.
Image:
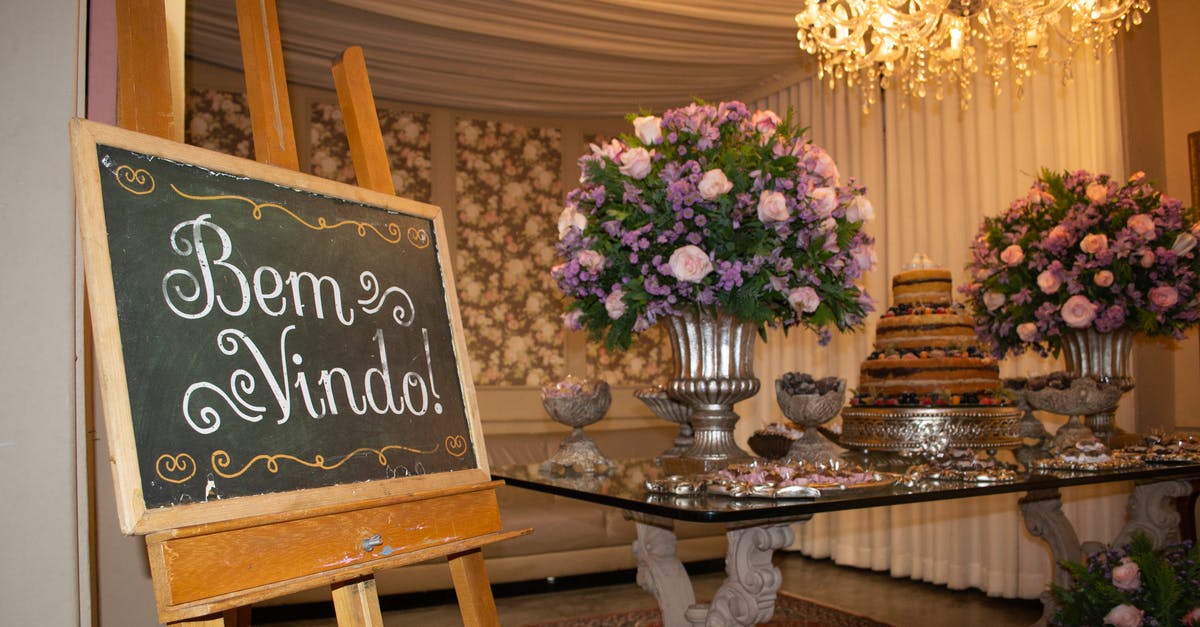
(933, 172)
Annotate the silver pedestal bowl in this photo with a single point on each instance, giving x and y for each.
(577, 403)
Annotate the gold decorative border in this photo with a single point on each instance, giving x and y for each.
(221, 459)
(394, 234)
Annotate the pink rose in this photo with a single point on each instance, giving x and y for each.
(860, 210)
(1124, 616)
(1058, 235)
(804, 299)
(714, 183)
(1103, 278)
(1184, 244)
(615, 303)
(1012, 255)
(1163, 296)
(635, 163)
(591, 260)
(772, 207)
(765, 122)
(1142, 224)
(570, 218)
(1094, 243)
(1049, 282)
(1146, 257)
(1027, 331)
(824, 200)
(648, 128)
(993, 300)
(1079, 312)
(822, 164)
(572, 320)
(1192, 618)
(1097, 193)
(1126, 575)
(689, 263)
(1137, 177)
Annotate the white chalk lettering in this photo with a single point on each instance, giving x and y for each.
(332, 391)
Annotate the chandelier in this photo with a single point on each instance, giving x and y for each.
(923, 46)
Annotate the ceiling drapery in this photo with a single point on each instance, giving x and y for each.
(556, 57)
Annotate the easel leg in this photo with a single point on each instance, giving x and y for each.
(356, 603)
(237, 617)
(473, 589)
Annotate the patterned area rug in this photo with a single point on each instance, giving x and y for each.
(790, 611)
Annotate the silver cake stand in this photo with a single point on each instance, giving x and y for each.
(907, 429)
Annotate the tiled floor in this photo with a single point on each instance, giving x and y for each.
(900, 602)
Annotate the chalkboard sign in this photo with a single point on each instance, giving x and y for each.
(266, 338)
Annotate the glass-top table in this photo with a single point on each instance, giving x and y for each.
(756, 527)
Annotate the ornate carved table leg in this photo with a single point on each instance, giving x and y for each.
(1152, 512)
(748, 595)
(659, 571)
(1044, 518)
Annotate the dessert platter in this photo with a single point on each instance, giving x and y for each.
(773, 480)
(928, 373)
(1175, 449)
(1087, 454)
(963, 465)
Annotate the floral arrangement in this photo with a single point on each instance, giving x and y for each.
(712, 206)
(1133, 585)
(1084, 251)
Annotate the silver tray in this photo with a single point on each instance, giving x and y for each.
(907, 429)
(735, 488)
(677, 485)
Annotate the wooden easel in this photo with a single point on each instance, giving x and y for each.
(209, 574)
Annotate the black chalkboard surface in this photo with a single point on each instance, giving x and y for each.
(273, 337)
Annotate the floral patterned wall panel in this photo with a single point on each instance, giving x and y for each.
(647, 362)
(219, 120)
(648, 359)
(405, 137)
(509, 196)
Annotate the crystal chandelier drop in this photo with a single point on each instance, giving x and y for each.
(921, 46)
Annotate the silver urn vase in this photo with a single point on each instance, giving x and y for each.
(714, 369)
(1105, 356)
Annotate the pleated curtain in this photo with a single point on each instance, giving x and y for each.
(933, 171)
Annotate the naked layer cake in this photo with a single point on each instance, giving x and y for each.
(926, 350)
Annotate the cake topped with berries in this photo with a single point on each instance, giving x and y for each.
(926, 351)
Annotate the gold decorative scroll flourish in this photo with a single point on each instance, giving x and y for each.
(180, 467)
(419, 238)
(456, 445)
(221, 460)
(394, 233)
(128, 178)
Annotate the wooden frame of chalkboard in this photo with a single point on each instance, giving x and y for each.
(267, 341)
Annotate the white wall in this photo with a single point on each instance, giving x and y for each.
(41, 573)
